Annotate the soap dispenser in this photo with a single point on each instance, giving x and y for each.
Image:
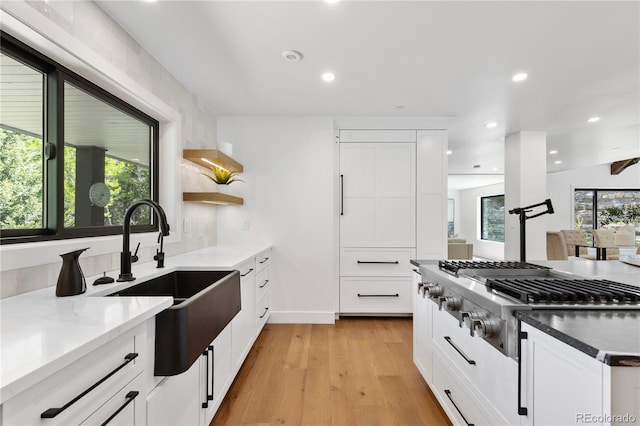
(71, 279)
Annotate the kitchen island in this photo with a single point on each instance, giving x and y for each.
(560, 364)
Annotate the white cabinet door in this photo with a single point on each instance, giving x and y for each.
(126, 408)
(176, 400)
(561, 383)
(244, 324)
(215, 374)
(378, 194)
(422, 330)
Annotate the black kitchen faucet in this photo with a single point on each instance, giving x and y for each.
(125, 256)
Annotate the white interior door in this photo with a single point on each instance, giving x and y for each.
(378, 194)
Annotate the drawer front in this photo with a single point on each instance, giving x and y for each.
(263, 259)
(262, 283)
(247, 270)
(76, 380)
(127, 407)
(455, 398)
(263, 310)
(375, 295)
(477, 362)
(363, 262)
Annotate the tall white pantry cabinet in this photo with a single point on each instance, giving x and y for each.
(393, 200)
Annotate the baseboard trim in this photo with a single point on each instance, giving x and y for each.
(302, 317)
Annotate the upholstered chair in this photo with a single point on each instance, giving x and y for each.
(573, 237)
(556, 246)
(605, 238)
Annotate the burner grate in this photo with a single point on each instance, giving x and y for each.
(566, 291)
(453, 266)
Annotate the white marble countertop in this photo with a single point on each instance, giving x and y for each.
(41, 333)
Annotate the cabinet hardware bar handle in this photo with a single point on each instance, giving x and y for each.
(210, 397)
(417, 271)
(130, 396)
(522, 335)
(265, 313)
(341, 195)
(448, 393)
(264, 260)
(466, 358)
(265, 283)
(205, 404)
(394, 262)
(52, 412)
(378, 295)
(247, 273)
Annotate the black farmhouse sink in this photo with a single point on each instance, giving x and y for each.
(204, 303)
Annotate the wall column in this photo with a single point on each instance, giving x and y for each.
(525, 183)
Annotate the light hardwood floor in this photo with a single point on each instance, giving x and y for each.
(356, 372)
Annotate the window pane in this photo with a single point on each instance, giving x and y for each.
(107, 162)
(618, 207)
(583, 206)
(21, 153)
(492, 218)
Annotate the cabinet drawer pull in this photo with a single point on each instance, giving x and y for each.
(264, 260)
(52, 412)
(264, 284)
(378, 295)
(247, 273)
(210, 397)
(470, 361)
(522, 335)
(205, 354)
(417, 271)
(265, 313)
(448, 393)
(130, 396)
(341, 195)
(393, 262)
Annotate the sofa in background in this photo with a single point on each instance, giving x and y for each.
(458, 248)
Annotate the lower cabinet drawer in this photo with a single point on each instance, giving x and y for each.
(375, 295)
(390, 262)
(262, 310)
(73, 394)
(262, 283)
(456, 399)
(127, 407)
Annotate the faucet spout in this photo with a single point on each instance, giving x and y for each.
(125, 255)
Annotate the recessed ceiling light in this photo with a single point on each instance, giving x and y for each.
(449, 152)
(521, 76)
(554, 152)
(593, 119)
(557, 162)
(328, 76)
(292, 55)
(492, 124)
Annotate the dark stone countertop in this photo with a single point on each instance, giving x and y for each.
(612, 337)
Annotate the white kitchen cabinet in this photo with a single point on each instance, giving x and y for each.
(90, 390)
(244, 324)
(263, 289)
(176, 400)
(562, 385)
(377, 220)
(215, 375)
(431, 195)
(422, 329)
(378, 194)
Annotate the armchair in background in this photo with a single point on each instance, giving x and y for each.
(604, 240)
(556, 246)
(458, 248)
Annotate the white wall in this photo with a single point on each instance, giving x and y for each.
(289, 169)
(84, 38)
(469, 225)
(561, 185)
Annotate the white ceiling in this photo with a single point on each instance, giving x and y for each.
(437, 59)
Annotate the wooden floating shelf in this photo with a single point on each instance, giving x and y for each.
(217, 198)
(199, 156)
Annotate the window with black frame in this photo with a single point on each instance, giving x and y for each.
(73, 157)
(492, 218)
(597, 208)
